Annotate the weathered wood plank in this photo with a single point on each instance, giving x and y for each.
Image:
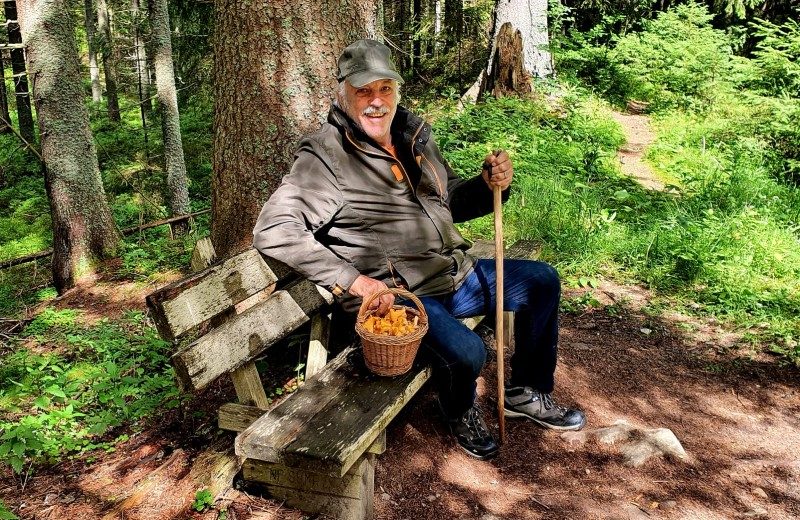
(378, 446)
(333, 419)
(245, 336)
(237, 417)
(349, 497)
(185, 304)
(249, 390)
(317, 344)
(203, 255)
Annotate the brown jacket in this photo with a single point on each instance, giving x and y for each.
(348, 207)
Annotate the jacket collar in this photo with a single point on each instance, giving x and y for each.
(407, 129)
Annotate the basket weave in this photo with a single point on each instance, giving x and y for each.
(391, 355)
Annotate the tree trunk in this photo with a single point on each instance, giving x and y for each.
(24, 114)
(452, 21)
(140, 57)
(109, 63)
(529, 17)
(274, 77)
(83, 230)
(94, 70)
(177, 192)
(508, 75)
(5, 124)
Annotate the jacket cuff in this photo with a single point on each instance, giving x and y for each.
(345, 279)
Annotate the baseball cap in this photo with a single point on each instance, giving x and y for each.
(365, 61)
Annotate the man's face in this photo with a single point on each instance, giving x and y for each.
(373, 107)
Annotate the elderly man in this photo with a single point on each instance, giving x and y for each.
(370, 202)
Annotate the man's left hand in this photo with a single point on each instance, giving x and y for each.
(501, 170)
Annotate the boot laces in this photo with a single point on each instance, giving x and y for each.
(549, 404)
(474, 423)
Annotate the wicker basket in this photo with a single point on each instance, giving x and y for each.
(391, 355)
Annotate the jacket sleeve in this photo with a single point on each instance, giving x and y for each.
(467, 198)
(307, 199)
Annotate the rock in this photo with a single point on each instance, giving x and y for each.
(431, 498)
(645, 331)
(619, 431)
(667, 505)
(581, 346)
(667, 442)
(756, 512)
(386, 497)
(760, 493)
(588, 325)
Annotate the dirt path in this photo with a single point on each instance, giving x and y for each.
(638, 136)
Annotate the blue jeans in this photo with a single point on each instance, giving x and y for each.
(532, 291)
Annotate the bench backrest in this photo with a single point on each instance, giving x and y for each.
(238, 307)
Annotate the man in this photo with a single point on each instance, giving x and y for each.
(370, 202)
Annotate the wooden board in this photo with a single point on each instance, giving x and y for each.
(185, 304)
(245, 336)
(327, 424)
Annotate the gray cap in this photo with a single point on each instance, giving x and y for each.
(365, 61)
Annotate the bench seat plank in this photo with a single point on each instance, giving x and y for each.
(329, 423)
(245, 336)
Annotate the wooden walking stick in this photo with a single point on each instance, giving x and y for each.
(498, 317)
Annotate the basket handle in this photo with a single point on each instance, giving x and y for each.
(396, 291)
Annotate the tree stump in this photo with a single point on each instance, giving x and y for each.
(508, 71)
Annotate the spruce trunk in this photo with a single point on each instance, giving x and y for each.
(140, 56)
(274, 78)
(24, 114)
(177, 192)
(5, 124)
(83, 230)
(109, 63)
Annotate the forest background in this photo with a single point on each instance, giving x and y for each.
(720, 82)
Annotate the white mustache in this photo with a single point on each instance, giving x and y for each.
(377, 111)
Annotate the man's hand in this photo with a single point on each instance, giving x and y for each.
(364, 287)
(501, 170)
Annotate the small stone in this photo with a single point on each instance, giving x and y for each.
(587, 325)
(667, 505)
(430, 498)
(756, 512)
(587, 470)
(645, 331)
(50, 498)
(760, 493)
(385, 497)
(581, 346)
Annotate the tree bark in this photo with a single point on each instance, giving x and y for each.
(140, 56)
(109, 63)
(5, 124)
(24, 114)
(508, 75)
(83, 230)
(274, 77)
(94, 70)
(529, 17)
(175, 167)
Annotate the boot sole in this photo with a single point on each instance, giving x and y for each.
(512, 413)
(479, 457)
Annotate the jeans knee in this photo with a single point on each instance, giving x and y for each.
(472, 357)
(549, 281)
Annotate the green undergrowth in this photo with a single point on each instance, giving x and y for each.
(65, 386)
(724, 242)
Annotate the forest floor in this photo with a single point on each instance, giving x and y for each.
(734, 410)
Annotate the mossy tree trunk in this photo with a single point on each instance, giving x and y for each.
(175, 167)
(106, 44)
(94, 69)
(274, 78)
(24, 113)
(83, 230)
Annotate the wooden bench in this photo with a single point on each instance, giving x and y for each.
(316, 449)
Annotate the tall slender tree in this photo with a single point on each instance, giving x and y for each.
(274, 76)
(109, 62)
(83, 230)
(94, 69)
(140, 58)
(24, 113)
(177, 192)
(5, 124)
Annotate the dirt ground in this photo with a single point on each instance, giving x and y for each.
(735, 412)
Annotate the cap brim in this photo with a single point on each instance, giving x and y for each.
(359, 79)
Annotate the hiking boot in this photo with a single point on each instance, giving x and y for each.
(524, 401)
(473, 436)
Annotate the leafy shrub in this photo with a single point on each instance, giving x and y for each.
(72, 384)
